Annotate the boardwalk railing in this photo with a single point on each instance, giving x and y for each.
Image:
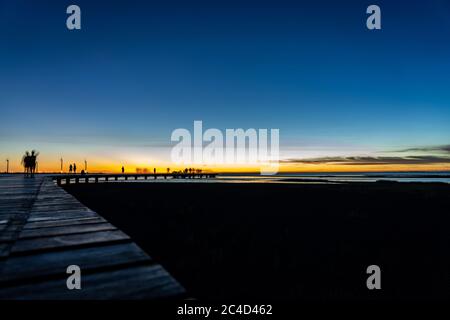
(96, 178)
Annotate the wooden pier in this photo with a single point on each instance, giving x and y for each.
(43, 230)
(96, 178)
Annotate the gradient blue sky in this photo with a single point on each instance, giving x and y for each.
(137, 70)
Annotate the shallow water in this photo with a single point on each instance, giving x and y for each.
(318, 178)
(327, 177)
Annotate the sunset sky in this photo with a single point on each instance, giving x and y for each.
(344, 98)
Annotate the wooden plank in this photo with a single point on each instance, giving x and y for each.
(18, 203)
(65, 230)
(60, 203)
(9, 204)
(61, 216)
(13, 216)
(36, 244)
(4, 251)
(54, 210)
(57, 207)
(143, 282)
(56, 263)
(63, 222)
(8, 236)
(49, 204)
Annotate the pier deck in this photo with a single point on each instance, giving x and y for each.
(43, 230)
(96, 178)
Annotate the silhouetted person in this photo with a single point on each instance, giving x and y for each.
(74, 168)
(70, 169)
(33, 162)
(123, 169)
(168, 170)
(154, 170)
(26, 163)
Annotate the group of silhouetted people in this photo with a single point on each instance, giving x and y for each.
(29, 162)
(188, 171)
(185, 171)
(73, 168)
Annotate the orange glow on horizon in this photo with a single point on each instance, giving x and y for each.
(103, 167)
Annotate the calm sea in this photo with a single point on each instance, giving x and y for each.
(328, 177)
(318, 178)
(314, 178)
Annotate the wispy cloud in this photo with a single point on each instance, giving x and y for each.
(421, 155)
(369, 160)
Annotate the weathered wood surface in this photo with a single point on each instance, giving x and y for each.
(43, 230)
(62, 222)
(17, 196)
(141, 282)
(44, 264)
(64, 230)
(29, 246)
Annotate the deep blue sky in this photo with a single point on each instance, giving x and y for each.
(137, 70)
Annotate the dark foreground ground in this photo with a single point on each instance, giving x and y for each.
(286, 241)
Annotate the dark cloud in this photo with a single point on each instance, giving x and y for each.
(366, 160)
(433, 155)
(440, 149)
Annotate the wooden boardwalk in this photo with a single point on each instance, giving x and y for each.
(43, 230)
